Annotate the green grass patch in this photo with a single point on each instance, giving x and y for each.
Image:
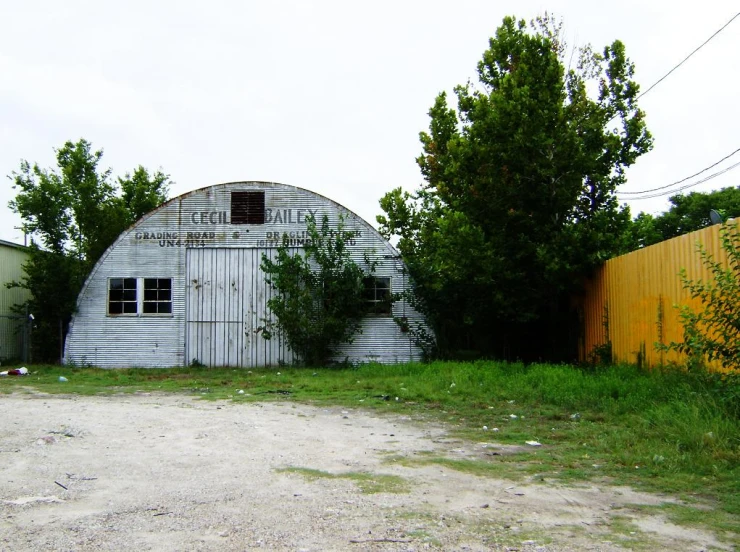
(622, 530)
(368, 483)
(698, 515)
(669, 431)
(514, 469)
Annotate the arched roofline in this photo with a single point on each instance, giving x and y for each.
(394, 254)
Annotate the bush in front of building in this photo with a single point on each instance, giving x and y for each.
(320, 293)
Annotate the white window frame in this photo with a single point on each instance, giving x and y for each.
(157, 301)
(139, 298)
(375, 302)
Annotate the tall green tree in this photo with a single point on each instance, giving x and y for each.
(519, 196)
(73, 213)
(687, 213)
(142, 192)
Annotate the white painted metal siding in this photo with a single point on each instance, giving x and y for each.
(216, 319)
(226, 306)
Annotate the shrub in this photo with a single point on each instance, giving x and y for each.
(713, 332)
(319, 301)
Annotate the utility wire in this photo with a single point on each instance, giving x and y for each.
(710, 177)
(661, 79)
(683, 179)
(659, 189)
(687, 57)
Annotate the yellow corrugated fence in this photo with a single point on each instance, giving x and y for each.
(630, 300)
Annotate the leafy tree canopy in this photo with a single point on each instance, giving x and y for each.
(73, 213)
(687, 213)
(519, 195)
(76, 209)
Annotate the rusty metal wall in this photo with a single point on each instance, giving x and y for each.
(191, 238)
(635, 296)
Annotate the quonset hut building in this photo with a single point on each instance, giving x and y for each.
(183, 285)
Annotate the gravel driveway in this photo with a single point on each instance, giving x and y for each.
(167, 472)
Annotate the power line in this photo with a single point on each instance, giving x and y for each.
(701, 171)
(705, 179)
(661, 79)
(687, 57)
(683, 179)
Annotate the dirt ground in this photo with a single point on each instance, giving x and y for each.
(156, 472)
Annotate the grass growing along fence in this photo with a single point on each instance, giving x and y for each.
(660, 431)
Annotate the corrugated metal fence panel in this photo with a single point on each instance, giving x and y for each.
(191, 236)
(639, 291)
(11, 270)
(12, 329)
(595, 308)
(12, 336)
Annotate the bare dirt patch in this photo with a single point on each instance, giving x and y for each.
(162, 472)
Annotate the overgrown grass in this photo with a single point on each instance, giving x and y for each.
(660, 431)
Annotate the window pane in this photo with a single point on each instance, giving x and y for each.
(377, 294)
(122, 295)
(382, 294)
(157, 296)
(368, 289)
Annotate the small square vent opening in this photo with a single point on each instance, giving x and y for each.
(248, 207)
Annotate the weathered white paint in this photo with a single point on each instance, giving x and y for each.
(219, 293)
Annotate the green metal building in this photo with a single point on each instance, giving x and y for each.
(13, 326)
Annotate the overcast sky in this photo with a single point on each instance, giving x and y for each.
(327, 95)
